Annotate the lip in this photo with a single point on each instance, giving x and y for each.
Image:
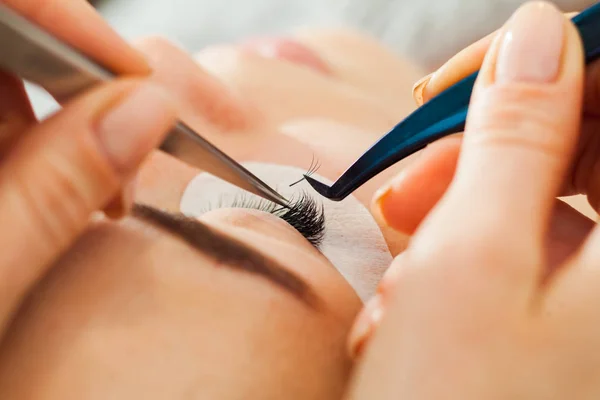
(287, 50)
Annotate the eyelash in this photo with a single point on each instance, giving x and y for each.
(304, 214)
(314, 167)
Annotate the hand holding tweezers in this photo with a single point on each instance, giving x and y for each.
(441, 116)
(36, 56)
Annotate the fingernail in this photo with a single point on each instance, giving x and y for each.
(419, 89)
(126, 129)
(532, 45)
(366, 323)
(383, 194)
(395, 182)
(390, 277)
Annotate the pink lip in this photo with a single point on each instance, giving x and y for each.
(288, 50)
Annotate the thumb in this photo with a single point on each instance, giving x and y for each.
(408, 198)
(463, 64)
(66, 168)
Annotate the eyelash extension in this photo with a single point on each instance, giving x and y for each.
(314, 167)
(304, 214)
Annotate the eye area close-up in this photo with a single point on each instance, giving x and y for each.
(303, 213)
(227, 211)
(348, 235)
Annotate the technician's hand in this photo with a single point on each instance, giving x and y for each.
(426, 180)
(476, 308)
(55, 174)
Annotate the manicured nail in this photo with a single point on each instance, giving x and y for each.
(532, 45)
(366, 323)
(386, 193)
(395, 182)
(126, 129)
(419, 89)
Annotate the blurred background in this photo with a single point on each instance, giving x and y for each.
(425, 31)
(428, 31)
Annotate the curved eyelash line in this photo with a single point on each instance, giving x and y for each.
(304, 213)
(314, 167)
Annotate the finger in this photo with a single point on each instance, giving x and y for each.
(78, 23)
(16, 113)
(365, 325)
(65, 169)
(584, 177)
(592, 89)
(203, 99)
(568, 231)
(463, 64)
(411, 198)
(523, 122)
(408, 198)
(369, 318)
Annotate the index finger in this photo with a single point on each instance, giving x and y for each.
(463, 64)
(77, 23)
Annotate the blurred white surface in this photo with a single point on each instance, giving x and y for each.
(426, 31)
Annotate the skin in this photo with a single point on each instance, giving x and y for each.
(123, 311)
(516, 304)
(244, 115)
(120, 309)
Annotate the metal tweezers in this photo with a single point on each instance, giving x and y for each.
(36, 56)
(441, 116)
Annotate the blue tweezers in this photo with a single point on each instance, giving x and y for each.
(441, 116)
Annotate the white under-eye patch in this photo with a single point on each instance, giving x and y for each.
(353, 242)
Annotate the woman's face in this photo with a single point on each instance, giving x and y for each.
(231, 302)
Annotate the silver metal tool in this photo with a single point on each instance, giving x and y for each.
(36, 56)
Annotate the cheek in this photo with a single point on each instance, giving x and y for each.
(282, 90)
(365, 63)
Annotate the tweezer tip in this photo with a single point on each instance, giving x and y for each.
(322, 189)
(278, 199)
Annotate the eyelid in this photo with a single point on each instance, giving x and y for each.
(354, 244)
(256, 222)
(227, 250)
(287, 253)
(305, 215)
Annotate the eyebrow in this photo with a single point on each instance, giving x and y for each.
(226, 250)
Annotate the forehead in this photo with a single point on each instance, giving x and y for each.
(130, 302)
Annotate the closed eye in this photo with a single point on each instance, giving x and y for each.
(304, 214)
